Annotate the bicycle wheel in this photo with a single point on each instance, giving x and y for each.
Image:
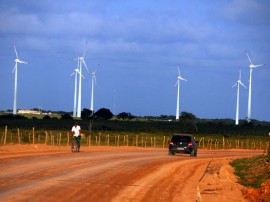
(74, 146)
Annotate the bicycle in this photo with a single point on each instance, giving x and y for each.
(74, 146)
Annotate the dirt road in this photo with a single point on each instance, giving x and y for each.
(118, 174)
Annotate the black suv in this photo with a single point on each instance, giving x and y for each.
(183, 143)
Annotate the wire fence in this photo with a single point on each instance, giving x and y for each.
(57, 138)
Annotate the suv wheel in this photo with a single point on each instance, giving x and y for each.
(171, 153)
(192, 153)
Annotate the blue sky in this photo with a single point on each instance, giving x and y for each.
(138, 45)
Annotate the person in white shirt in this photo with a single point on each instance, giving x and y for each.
(76, 131)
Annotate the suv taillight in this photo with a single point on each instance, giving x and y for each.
(171, 143)
(190, 144)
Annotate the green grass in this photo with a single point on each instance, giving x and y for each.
(252, 171)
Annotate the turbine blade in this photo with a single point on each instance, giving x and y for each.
(248, 57)
(242, 84)
(234, 85)
(178, 69)
(85, 49)
(80, 74)
(86, 67)
(176, 83)
(16, 52)
(22, 62)
(182, 79)
(78, 63)
(258, 65)
(240, 74)
(14, 68)
(72, 74)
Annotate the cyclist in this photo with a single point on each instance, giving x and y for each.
(76, 131)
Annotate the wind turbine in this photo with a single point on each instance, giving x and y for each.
(179, 78)
(76, 72)
(81, 63)
(92, 92)
(238, 83)
(251, 67)
(15, 70)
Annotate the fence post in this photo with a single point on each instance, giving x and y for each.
(208, 143)
(19, 137)
(269, 145)
(57, 138)
(203, 143)
(145, 142)
(163, 143)
(5, 136)
(127, 140)
(60, 137)
(89, 141)
(2, 138)
(33, 135)
(46, 137)
(98, 139)
(11, 137)
(67, 138)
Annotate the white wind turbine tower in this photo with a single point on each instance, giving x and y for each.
(251, 67)
(76, 72)
(81, 63)
(15, 70)
(238, 83)
(92, 92)
(179, 78)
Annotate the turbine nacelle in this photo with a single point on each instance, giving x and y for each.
(21, 62)
(17, 60)
(239, 82)
(77, 71)
(94, 77)
(252, 66)
(181, 78)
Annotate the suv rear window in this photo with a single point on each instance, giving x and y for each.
(178, 138)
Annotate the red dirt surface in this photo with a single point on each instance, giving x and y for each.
(46, 173)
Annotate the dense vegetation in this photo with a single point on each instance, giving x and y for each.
(125, 122)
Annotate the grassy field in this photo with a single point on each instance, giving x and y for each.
(252, 171)
(211, 134)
